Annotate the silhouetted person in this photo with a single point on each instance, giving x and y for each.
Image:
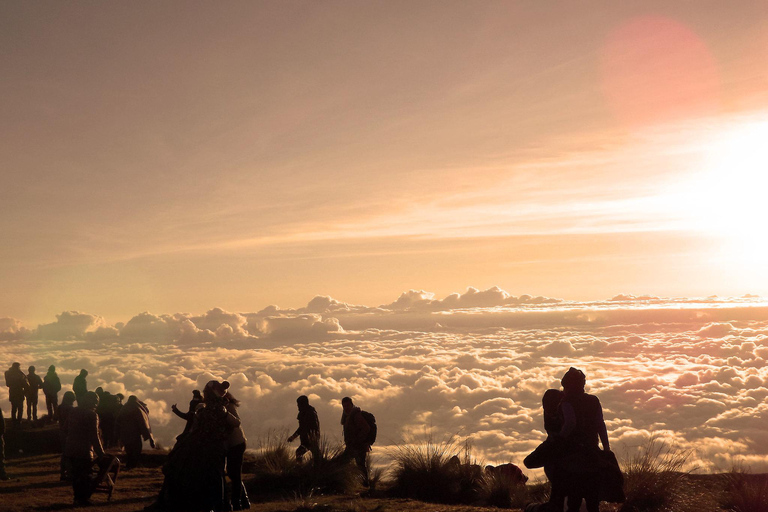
(34, 383)
(65, 409)
(80, 386)
(189, 416)
(309, 429)
(549, 454)
(235, 451)
(194, 472)
(356, 440)
(583, 426)
(17, 390)
(51, 388)
(83, 445)
(3, 474)
(132, 424)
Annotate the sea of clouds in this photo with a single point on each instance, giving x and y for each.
(691, 372)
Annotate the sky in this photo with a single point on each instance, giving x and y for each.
(176, 156)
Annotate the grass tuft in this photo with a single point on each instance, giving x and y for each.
(275, 470)
(745, 492)
(655, 480)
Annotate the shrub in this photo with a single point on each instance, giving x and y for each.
(442, 472)
(499, 490)
(276, 471)
(655, 481)
(745, 492)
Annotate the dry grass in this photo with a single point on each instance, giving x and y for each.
(745, 492)
(437, 471)
(656, 481)
(275, 470)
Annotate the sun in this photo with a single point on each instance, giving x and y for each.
(732, 189)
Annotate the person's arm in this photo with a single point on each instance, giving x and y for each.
(95, 437)
(569, 419)
(183, 415)
(602, 430)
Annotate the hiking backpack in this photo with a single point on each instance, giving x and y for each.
(371, 420)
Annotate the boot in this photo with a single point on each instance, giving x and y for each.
(245, 503)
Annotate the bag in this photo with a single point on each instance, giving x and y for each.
(373, 430)
(611, 478)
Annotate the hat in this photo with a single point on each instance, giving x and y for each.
(218, 388)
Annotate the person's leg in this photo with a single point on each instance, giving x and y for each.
(132, 452)
(81, 478)
(49, 407)
(34, 408)
(300, 452)
(55, 402)
(591, 494)
(235, 472)
(29, 410)
(361, 459)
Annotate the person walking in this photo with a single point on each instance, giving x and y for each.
(357, 440)
(51, 388)
(133, 429)
(308, 431)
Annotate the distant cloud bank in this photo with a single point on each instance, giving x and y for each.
(692, 371)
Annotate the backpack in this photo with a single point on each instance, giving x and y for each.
(371, 420)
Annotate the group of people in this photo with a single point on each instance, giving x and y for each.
(577, 469)
(89, 422)
(26, 387)
(213, 443)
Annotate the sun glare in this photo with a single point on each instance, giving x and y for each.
(732, 189)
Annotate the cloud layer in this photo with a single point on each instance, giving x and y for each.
(689, 371)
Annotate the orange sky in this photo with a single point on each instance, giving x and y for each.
(169, 156)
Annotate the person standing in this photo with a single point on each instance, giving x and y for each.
(133, 429)
(67, 406)
(34, 383)
(356, 436)
(80, 386)
(17, 389)
(583, 426)
(189, 416)
(83, 446)
(51, 388)
(309, 429)
(235, 452)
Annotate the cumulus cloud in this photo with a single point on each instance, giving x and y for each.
(12, 329)
(692, 372)
(300, 327)
(70, 325)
